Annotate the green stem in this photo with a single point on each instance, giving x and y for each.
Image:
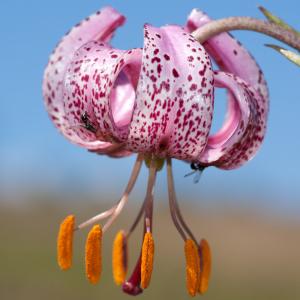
(214, 28)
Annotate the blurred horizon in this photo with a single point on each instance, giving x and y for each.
(254, 256)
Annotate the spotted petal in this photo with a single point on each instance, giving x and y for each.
(100, 85)
(114, 81)
(232, 57)
(174, 98)
(99, 26)
(234, 143)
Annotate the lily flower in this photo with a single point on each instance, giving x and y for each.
(158, 102)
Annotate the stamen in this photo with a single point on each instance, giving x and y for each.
(147, 260)
(142, 272)
(93, 254)
(116, 209)
(119, 258)
(96, 218)
(175, 205)
(149, 193)
(192, 267)
(181, 220)
(124, 199)
(205, 259)
(172, 196)
(148, 225)
(137, 219)
(198, 260)
(65, 243)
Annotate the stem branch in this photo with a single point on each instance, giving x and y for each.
(214, 28)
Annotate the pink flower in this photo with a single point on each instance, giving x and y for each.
(158, 102)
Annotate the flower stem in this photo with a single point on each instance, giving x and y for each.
(214, 28)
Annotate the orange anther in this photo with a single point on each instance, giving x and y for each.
(147, 260)
(65, 243)
(119, 258)
(192, 267)
(205, 266)
(93, 254)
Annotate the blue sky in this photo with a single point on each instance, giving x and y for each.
(34, 155)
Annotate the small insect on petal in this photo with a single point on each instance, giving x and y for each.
(93, 254)
(192, 267)
(65, 243)
(205, 257)
(147, 260)
(119, 258)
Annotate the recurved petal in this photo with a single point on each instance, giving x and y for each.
(230, 55)
(114, 80)
(243, 131)
(233, 58)
(78, 104)
(99, 26)
(174, 97)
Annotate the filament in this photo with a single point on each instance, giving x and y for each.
(124, 199)
(96, 218)
(137, 219)
(175, 205)
(181, 220)
(149, 193)
(171, 190)
(114, 211)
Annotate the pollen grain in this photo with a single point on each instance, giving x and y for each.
(192, 267)
(147, 260)
(65, 243)
(205, 266)
(119, 258)
(93, 254)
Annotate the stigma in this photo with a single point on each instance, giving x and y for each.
(197, 255)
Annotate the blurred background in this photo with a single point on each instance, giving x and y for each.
(250, 215)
